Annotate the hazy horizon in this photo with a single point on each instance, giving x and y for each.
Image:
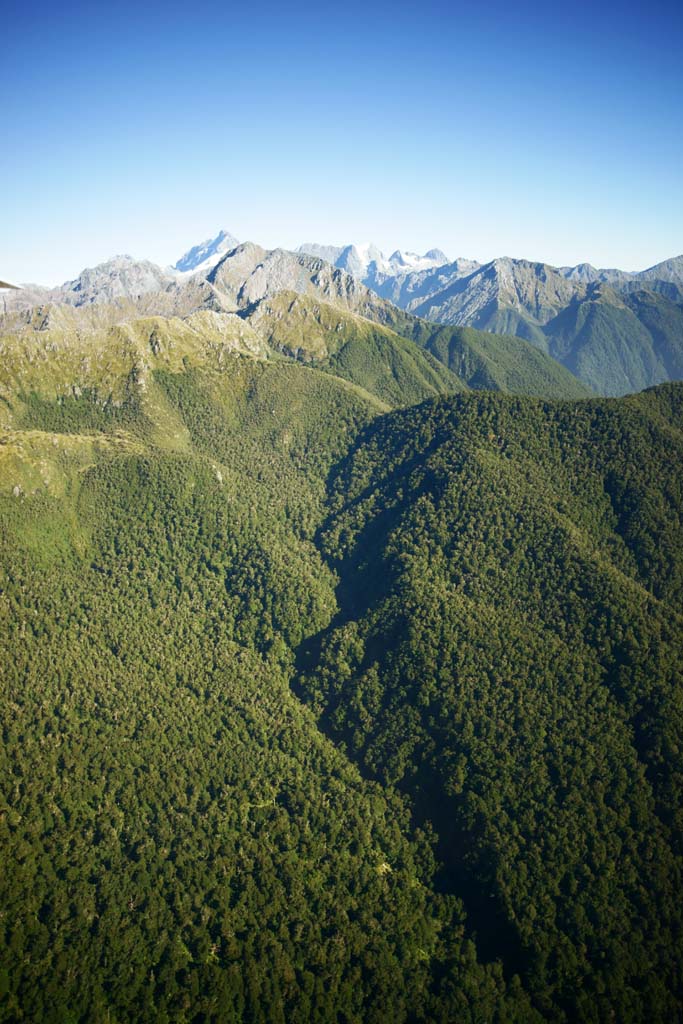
(386, 250)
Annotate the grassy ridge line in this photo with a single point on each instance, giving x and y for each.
(316, 331)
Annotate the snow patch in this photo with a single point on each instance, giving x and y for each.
(203, 257)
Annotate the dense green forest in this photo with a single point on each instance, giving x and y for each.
(314, 711)
(515, 667)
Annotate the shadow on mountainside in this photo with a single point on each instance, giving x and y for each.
(366, 578)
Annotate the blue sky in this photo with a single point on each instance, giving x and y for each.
(487, 129)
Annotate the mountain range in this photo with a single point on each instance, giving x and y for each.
(300, 307)
(615, 331)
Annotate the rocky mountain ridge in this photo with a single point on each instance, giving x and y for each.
(617, 331)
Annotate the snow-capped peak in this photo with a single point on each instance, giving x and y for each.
(362, 260)
(402, 260)
(356, 259)
(206, 255)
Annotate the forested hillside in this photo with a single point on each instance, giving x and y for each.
(508, 653)
(314, 711)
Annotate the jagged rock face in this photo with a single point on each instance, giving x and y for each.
(230, 275)
(533, 289)
(121, 277)
(250, 274)
(278, 271)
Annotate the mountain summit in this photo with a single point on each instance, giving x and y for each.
(207, 254)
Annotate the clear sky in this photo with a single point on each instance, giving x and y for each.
(540, 130)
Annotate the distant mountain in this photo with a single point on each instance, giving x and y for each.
(248, 274)
(617, 331)
(617, 337)
(658, 277)
(206, 255)
(369, 263)
(585, 273)
(25, 297)
(668, 270)
(124, 278)
(499, 296)
(329, 253)
(121, 277)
